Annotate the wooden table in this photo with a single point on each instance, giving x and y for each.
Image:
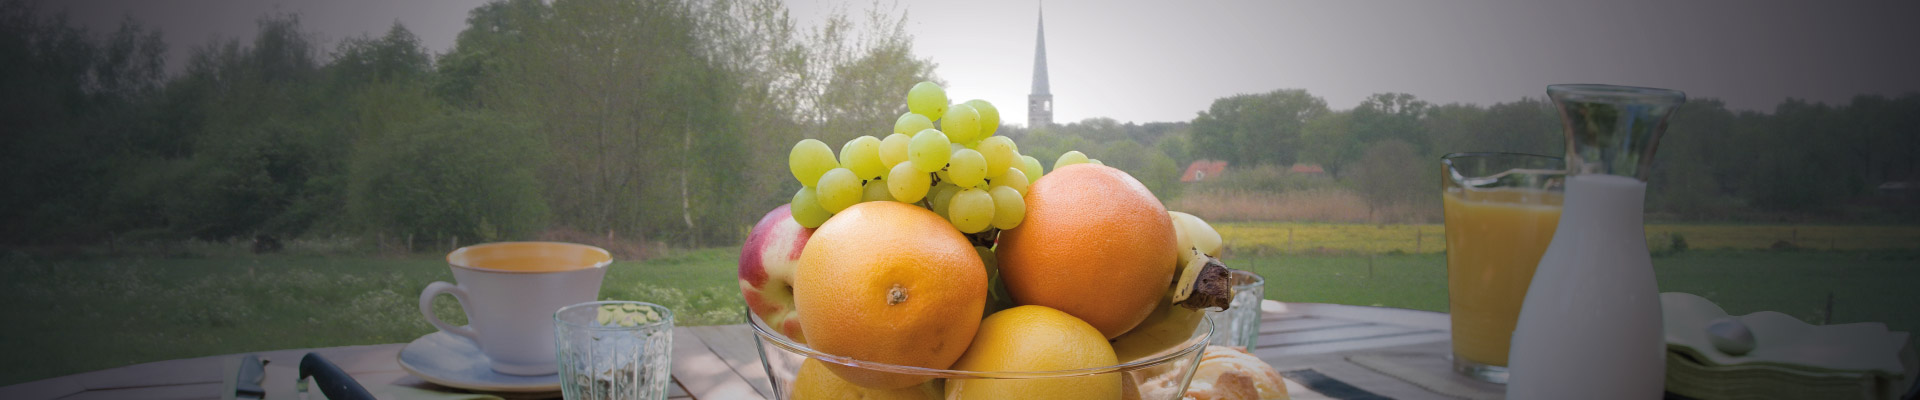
(1382, 351)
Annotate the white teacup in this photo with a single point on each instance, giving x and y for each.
(510, 291)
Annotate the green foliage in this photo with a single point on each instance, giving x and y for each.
(463, 175)
(865, 87)
(75, 110)
(640, 121)
(1392, 172)
(77, 315)
(1390, 116)
(1146, 164)
(398, 56)
(1251, 129)
(1329, 140)
(663, 120)
(1262, 179)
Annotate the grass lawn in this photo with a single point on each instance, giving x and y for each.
(1865, 286)
(70, 316)
(75, 315)
(1303, 237)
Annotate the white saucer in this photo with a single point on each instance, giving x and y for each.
(453, 361)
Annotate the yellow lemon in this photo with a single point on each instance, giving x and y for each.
(1036, 338)
(814, 381)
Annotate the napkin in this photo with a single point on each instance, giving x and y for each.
(1785, 358)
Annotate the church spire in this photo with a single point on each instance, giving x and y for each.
(1040, 100)
(1040, 56)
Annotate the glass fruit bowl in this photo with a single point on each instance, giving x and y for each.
(1162, 376)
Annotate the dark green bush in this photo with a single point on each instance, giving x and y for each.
(463, 175)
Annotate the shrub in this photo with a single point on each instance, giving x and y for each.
(1262, 178)
(463, 175)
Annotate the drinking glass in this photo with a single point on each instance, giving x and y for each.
(1501, 210)
(1239, 324)
(614, 350)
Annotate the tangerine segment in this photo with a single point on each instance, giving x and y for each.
(892, 283)
(1095, 244)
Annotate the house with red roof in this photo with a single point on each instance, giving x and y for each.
(1203, 169)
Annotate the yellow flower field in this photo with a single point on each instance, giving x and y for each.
(1285, 237)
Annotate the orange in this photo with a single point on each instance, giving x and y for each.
(814, 381)
(1036, 338)
(1095, 244)
(893, 283)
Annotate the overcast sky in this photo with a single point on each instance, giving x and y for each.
(1165, 60)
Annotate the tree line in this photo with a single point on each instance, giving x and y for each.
(1802, 161)
(647, 119)
(669, 120)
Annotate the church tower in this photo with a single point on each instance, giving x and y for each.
(1040, 101)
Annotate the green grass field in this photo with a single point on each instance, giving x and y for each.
(1866, 286)
(69, 316)
(76, 315)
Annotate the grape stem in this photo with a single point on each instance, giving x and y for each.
(985, 238)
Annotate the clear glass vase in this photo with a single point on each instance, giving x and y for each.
(1161, 376)
(1590, 326)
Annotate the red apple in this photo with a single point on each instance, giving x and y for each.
(767, 264)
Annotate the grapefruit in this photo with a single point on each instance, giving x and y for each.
(815, 382)
(1036, 338)
(1095, 244)
(893, 283)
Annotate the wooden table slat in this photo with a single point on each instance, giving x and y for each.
(1347, 333)
(1335, 347)
(702, 371)
(1394, 316)
(51, 388)
(195, 391)
(1304, 323)
(720, 362)
(735, 346)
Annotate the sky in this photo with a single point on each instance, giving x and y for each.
(1158, 60)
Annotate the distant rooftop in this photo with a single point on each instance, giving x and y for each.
(1203, 169)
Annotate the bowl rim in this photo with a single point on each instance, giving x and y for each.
(1194, 345)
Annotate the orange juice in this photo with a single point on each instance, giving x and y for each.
(1494, 240)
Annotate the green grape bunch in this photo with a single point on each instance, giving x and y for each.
(942, 156)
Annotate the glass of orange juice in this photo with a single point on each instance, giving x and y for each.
(1501, 210)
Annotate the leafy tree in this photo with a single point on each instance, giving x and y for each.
(1256, 129)
(1395, 116)
(866, 95)
(75, 115)
(465, 175)
(1386, 174)
(1177, 146)
(1694, 164)
(1329, 140)
(397, 56)
(640, 119)
(492, 29)
(1146, 164)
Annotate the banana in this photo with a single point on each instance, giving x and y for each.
(1189, 273)
(1166, 327)
(1198, 285)
(1191, 232)
(1200, 288)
